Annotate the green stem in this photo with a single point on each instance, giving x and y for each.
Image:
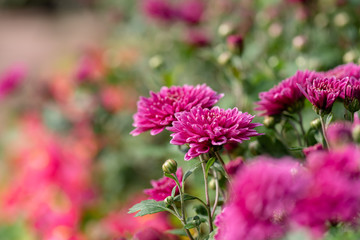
(216, 193)
(208, 208)
(323, 128)
(302, 128)
(182, 205)
(222, 164)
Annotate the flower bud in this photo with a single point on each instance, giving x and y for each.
(156, 62)
(226, 29)
(269, 122)
(224, 58)
(170, 166)
(255, 147)
(356, 133)
(316, 123)
(212, 184)
(299, 42)
(235, 43)
(352, 105)
(169, 200)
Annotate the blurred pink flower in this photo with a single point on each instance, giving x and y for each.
(150, 234)
(160, 10)
(285, 96)
(191, 11)
(204, 128)
(112, 98)
(162, 188)
(234, 165)
(261, 200)
(322, 92)
(339, 134)
(157, 112)
(11, 79)
(235, 43)
(331, 197)
(197, 38)
(316, 147)
(343, 71)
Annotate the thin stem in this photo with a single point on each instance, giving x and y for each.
(203, 165)
(352, 116)
(182, 205)
(216, 193)
(323, 128)
(222, 164)
(302, 128)
(296, 133)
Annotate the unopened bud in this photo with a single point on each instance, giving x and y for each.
(170, 166)
(212, 184)
(356, 133)
(224, 58)
(254, 147)
(169, 200)
(269, 122)
(352, 104)
(156, 62)
(226, 29)
(316, 123)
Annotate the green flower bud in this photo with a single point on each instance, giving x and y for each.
(316, 123)
(356, 133)
(224, 58)
(269, 122)
(169, 200)
(226, 29)
(212, 184)
(170, 166)
(352, 105)
(156, 62)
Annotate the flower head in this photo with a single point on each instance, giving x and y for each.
(191, 11)
(331, 197)
(233, 166)
(339, 134)
(322, 92)
(197, 38)
(11, 79)
(157, 112)
(261, 200)
(316, 147)
(343, 71)
(160, 10)
(162, 188)
(204, 128)
(351, 94)
(285, 96)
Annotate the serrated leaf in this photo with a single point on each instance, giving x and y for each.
(148, 207)
(186, 197)
(208, 165)
(188, 173)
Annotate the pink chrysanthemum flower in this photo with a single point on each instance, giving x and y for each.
(191, 11)
(285, 96)
(261, 200)
(331, 198)
(157, 112)
(234, 165)
(162, 188)
(322, 92)
(204, 128)
(351, 94)
(339, 134)
(343, 71)
(11, 79)
(316, 147)
(160, 10)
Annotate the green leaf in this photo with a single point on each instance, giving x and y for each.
(190, 225)
(179, 232)
(188, 173)
(208, 165)
(186, 197)
(148, 207)
(170, 176)
(173, 191)
(329, 119)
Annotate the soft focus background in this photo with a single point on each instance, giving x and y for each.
(71, 73)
